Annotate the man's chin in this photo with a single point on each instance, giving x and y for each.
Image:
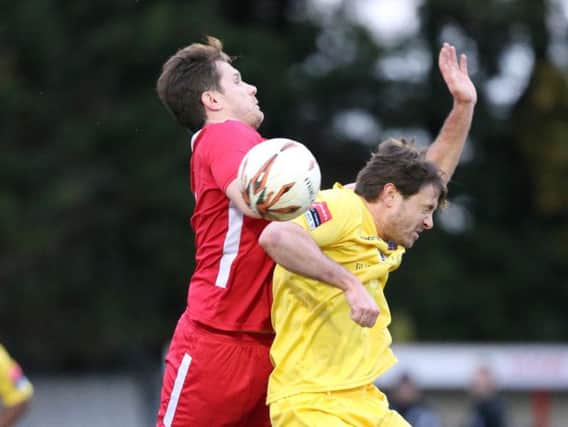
(258, 121)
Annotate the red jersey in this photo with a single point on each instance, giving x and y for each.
(231, 286)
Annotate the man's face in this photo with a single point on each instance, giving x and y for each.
(411, 216)
(238, 98)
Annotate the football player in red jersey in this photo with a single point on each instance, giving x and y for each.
(217, 365)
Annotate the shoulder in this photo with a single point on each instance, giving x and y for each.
(6, 365)
(5, 358)
(341, 198)
(339, 202)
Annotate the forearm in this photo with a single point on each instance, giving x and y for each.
(293, 248)
(447, 149)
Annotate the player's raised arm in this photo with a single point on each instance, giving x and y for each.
(448, 146)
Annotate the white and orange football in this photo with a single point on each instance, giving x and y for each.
(279, 179)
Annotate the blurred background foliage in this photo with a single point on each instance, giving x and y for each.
(96, 248)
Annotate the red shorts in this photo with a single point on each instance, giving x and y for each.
(214, 378)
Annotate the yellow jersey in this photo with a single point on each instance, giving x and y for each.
(14, 386)
(317, 346)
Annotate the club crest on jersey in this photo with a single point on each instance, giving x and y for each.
(318, 214)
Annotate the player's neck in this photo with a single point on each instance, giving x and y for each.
(377, 212)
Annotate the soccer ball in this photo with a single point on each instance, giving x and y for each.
(279, 179)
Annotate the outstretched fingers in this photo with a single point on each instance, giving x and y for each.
(447, 59)
(455, 74)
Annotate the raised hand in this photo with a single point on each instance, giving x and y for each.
(456, 76)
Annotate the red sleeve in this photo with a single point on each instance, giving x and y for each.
(225, 145)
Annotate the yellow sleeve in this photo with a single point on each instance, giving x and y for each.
(14, 386)
(332, 216)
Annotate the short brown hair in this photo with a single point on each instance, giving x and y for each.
(185, 76)
(399, 162)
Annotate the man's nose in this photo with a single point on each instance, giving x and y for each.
(429, 222)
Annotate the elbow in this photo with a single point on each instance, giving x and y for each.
(280, 239)
(277, 239)
(270, 237)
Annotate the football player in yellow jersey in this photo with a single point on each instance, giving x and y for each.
(329, 311)
(15, 390)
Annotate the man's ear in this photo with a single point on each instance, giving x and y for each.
(389, 194)
(210, 100)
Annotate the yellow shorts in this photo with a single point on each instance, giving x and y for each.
(359, 407)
